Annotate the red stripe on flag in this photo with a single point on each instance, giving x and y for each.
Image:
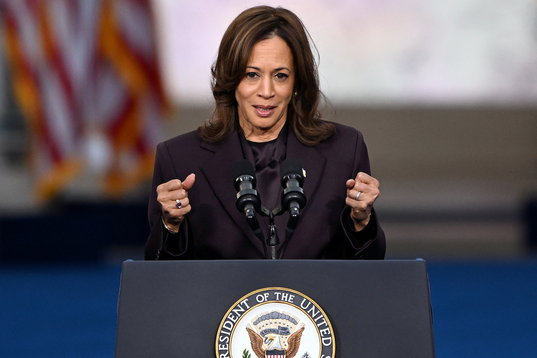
(38, 121)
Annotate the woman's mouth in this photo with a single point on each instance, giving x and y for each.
(264, 111)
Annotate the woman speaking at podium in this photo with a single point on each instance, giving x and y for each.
(266, 90)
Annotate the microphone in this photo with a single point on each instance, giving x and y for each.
(248, 201)
(293, 197)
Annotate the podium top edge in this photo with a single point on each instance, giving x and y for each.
(298, 261)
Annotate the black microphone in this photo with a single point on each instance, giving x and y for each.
(293, 197)
(248, 200)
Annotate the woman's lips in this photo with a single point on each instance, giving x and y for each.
(264, 111)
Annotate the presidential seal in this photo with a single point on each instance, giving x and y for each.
(275, 322)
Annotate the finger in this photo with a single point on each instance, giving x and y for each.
(355, 194)
(189, 181)
(363, 192)
(183, 191)
(353, 188)
(367, 192)
(171, 185)
(364, 188)
(175, 188)
(182, 203)
(174, 211)
(362, 177)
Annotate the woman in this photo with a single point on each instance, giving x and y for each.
(266, 90)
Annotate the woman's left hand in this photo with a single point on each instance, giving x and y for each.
(361, 194)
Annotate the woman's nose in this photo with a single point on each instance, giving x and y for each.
(266, 87)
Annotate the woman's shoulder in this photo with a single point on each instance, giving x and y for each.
(343, 133)
(185, 140)
(344, 148)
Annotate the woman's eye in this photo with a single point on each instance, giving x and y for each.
(281, 76)
(251, 75)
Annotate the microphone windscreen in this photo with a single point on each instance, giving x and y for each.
(242, 167)
(290, 166)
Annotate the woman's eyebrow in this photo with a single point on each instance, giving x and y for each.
(276, 69)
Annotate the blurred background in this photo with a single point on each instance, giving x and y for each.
(445, 94)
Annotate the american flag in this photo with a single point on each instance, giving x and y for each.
(86, 73)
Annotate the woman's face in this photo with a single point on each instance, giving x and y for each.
(265, 90)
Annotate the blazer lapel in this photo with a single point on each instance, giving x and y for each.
(313, 163)
(218, 171)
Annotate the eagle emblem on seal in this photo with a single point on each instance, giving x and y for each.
(275, 335)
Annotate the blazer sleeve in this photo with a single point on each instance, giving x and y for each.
(160, 243)
(370, 242)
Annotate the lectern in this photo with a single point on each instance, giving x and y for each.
(356, 309)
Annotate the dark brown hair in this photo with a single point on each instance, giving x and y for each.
(250, 27)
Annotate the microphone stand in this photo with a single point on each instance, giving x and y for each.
(273, 239)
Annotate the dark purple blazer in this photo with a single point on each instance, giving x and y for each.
(215, 229)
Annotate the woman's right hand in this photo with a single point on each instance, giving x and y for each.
(173, 199)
